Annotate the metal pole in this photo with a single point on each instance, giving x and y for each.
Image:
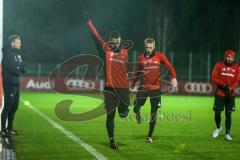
(58, 71)
(134, 56)
(172, 58)
(190, 68)
(134, 60)
(77, 73)
(208, 67)
(39, 69)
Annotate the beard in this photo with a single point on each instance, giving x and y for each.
(228, 63)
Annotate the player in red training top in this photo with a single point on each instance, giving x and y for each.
(148, 71)
(226, 76)
(116, 91)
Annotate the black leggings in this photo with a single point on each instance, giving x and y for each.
(155, 100)
(110, 124)
(153, 120)
(228, 121)
(11, 101)
(115, 98)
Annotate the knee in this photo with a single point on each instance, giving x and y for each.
(154, 109)
(6, 108)
(217, 113)
(153, 118)
(228, 114)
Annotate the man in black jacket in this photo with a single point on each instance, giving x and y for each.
(12, 70)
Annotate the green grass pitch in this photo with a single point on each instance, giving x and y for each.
(186, 136)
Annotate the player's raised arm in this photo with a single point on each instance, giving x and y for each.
(95, 33)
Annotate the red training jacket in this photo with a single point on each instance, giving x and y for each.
(223, 74)
(150, 69)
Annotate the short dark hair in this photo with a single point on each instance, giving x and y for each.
(115, 34)
(149, 40)
(12, 38)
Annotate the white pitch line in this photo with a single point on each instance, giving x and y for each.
(69, 134)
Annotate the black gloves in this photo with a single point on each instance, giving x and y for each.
(20, 65)
(227, 89)
(22, 69)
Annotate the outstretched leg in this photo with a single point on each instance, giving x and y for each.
(218, 106)
(228, 121)
(229, 108)
(110, 124)
(218, 119)
(111, 102)
(155, 104)
(138, 103)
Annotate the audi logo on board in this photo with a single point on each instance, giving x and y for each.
(75, 84)
(203, 88)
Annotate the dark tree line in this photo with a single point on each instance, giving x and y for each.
(54, 30)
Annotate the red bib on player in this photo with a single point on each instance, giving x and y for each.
(117, 69)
